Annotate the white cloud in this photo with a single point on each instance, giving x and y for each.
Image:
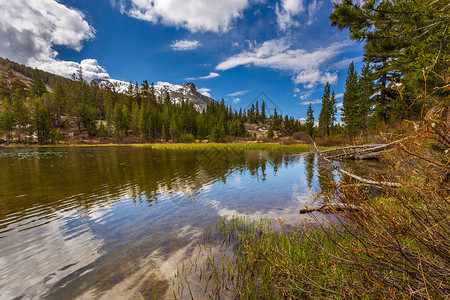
(305, 95)
(340, 95)
(339, 104)
(286, 11)
(29, 30)
(317, 101)
(238, 93)
(204, 92)
(194, 15)
(313, 8)
(91, 68)
(185, 45)
(276, 54)
(345, 63)
(310, 78)
(211, 75)
(236, 100)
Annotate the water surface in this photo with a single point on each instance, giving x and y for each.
(114, 222)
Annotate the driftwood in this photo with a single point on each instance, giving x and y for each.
(363, 151)
(332, 208)
(352, 147)
(360, 179)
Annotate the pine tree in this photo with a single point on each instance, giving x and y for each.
(310, 121)
(7, 122)
(332, 110)
(401, 38)
(366, 88)
(276, 121)
(270, 133)
(326, 112)
(37, 84)
(135, 115)
(43, 124)
(22, 117)
(263, 112)
(350, 109)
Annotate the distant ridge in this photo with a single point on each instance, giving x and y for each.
(186, 91)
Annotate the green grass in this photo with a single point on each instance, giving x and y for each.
(244, 146)
(271, 264)
(189, 146)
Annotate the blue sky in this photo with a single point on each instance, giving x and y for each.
(233, 49)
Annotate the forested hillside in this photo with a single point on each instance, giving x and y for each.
(39, 106)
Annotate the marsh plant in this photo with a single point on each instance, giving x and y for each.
(396, 246)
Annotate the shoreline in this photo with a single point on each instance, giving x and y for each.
(187, 146)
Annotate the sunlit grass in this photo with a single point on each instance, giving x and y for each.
(189, 146)
(244, 146)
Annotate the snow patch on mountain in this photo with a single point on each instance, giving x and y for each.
(187, 91)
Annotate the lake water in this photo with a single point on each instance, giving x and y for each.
(115, 222)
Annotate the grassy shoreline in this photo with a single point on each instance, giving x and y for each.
(184, 146)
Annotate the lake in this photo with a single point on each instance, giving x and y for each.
(114, 222)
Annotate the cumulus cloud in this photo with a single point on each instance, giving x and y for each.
(286, 11)
(194, 15)
(277, 54)
(239, 93)
(185, 45)
(91, 68)
(29, 30)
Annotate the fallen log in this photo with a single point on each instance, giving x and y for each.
(332, 208)
(365, 152)
(360, 179)
(353, 147)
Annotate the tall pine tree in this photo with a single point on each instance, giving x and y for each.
(310, 121)
(350, 109)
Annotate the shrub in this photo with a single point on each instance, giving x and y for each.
(301, 136)
(187, 138)
(332, 141)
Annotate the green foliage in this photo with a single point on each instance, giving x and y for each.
(270, 133)
(327, 115)
(350, 103)
(310, 121)
(37, 87)
(101, 112)
(7, 122)
(402, 37)
(43, 124)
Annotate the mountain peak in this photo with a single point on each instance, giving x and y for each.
(190, 86)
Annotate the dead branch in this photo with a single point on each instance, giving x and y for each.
(360, 179)
(366, 152)
(332, 208)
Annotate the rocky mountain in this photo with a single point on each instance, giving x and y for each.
(186, 91)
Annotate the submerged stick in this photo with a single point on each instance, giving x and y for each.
(332, 208)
